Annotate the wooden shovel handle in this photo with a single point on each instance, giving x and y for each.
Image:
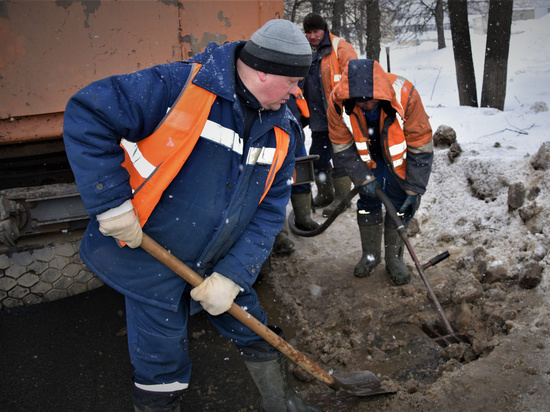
(194, 279)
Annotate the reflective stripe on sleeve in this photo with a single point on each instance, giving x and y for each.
(260, 155)
(163, 387)
(365, 158)
(223, 136)
(398, 148)
(142, 165)
(398, 162)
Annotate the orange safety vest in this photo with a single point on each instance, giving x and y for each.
(335, 73)
(395, 145)
(331, 64)
(302, 103)
(155, 161)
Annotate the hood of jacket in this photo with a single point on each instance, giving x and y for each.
(365, 78)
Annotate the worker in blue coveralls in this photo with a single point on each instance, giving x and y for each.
(300, 195)
(198, 154)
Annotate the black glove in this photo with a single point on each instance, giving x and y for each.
(369, 189)
(410, 206)
(349, 105)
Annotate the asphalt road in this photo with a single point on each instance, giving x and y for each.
(72, 355)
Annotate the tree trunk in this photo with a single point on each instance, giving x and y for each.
(493, 92)
(439, 16)
(373, 30)
(338, 10)
(316, 6)
(360, 23)
(291, 8)
(462, 50)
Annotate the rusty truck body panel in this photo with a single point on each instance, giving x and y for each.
(50, 49)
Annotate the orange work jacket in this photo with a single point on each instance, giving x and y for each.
(409, 131)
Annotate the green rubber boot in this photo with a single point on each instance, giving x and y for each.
(325, 190)
(370, 229)
(342, 186)
(277, 395)
(393, 255)
(266, 267)
(301, 204)
(371, 243)
(268, 368)
(283, 245)
(145, 401)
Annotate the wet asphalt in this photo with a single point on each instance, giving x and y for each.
(72, 355)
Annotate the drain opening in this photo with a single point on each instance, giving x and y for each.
(441, 336)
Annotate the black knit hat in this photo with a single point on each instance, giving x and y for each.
(314, 22)
(278, 47)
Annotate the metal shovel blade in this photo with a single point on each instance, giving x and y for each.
(363, 383)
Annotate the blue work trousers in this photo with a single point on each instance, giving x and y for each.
(158, 343)
(321, 145)
(390, 186)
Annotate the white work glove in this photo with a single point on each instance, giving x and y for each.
(122, 223)
(216, 293)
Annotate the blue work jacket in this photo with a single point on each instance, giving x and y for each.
(210, 216)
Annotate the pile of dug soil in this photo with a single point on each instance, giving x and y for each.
(490, 213)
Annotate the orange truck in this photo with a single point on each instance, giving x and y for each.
(49, 50)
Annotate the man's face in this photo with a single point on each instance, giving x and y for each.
(276, 90)
(368, 105)
(314, 37)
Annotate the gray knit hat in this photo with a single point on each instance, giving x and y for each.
(278, 47)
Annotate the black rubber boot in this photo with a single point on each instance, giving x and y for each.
(301, 204)
(371, 242)
(269, 372)
(266, 267)
(145, 401)
(370, 229)
(325, 190)
(342, 186)
(283, 245)
(393, 255)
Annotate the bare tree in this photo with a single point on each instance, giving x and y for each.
(412, 18)
(439, 15)
(338, 17)
(317, 6)
(493, 92)
(291, 8)
(462, 50)
(360, 25)
(373, 29)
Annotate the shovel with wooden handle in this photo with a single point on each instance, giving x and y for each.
(363, 383)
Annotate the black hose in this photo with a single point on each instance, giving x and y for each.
(391, 212)
(323, 226)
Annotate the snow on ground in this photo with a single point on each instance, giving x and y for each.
(522, 125)
(465, 211)
(497, 144)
